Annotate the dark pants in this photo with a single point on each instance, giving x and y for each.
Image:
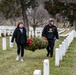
(50, 47)
(20, 48)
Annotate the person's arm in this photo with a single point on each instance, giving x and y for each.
(26, 36)
(56, 33)
(14, 35)
(44, 32)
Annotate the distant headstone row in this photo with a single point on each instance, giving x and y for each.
(8, 31)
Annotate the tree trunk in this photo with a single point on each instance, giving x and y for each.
(25, 20)
(34, 28)
(56, 23)
(14, 19)
(74, 23)
(24, 14)
(64, 24)
(74, 20)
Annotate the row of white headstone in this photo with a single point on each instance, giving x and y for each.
(37, 33)
(62, 31)
(31, 33)
(4, 32)
(4, 43)
(61, 51)
(59, 54)
(46, 68)
(9, 31)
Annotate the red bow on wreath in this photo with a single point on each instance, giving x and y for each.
(45, 38)
(30, 42)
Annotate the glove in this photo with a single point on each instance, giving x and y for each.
(12, 44)
(57, 40)
(27, 42)
(45, 38)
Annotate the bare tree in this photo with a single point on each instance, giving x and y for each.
(2, 19)
(38, 17)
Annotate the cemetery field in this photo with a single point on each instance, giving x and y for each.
(34, 60)
(66, 32)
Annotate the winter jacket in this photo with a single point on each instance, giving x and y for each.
(50, 32)
(20, 37)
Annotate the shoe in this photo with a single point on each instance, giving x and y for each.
(47, 54)
(18, 57)
(22, 59)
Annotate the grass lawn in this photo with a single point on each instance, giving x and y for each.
(34, 60)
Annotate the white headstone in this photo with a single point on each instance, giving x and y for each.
(40, 33)
(74, 33)
(36, 34)
(9, 32)
(57, 57)
(66, 43)
(63, 48)
(4, 32)
(37, 72)
(0, 33)
(11, 45)
(32, 33)
(60, 53)
(4, 43)
(46, 67)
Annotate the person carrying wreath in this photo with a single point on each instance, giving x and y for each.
(50, 32)
(21, 40)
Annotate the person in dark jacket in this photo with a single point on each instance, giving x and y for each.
(50, 32)
(20, 38)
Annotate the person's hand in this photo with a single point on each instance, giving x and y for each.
(57, 40)
(27, 42)
(12, 44)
